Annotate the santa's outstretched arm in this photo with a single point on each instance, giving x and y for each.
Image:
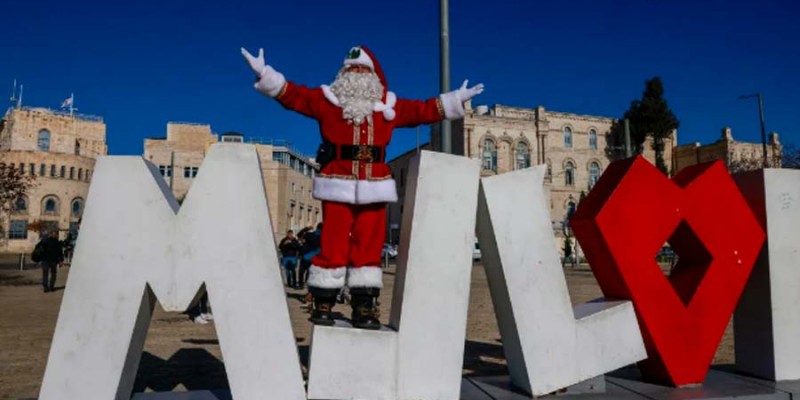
(448, 105)
(273, 84)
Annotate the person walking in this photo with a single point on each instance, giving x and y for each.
(51, 255)
(309, 249)
(290, 250)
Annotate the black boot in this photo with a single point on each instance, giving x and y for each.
(365, 312)
(293, 278)
(324, 299)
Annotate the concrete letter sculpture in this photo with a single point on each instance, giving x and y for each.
(767, 320)
(142, 248)
(623, 223)
(422, 358)
(546, 347)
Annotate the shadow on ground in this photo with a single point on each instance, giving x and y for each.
(195, 369)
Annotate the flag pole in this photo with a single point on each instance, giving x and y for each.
(71, 104)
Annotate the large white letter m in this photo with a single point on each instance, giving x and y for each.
(135, 247)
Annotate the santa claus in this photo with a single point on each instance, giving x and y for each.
(356, 116)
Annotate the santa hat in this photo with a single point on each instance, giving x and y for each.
(361, 55)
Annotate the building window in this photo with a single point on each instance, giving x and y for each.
(549, 174)
(20, 205)
(189, 172)
(52, 170)
(523, 156)
(77, 147)
(165, 170)
(88, 171)
(593, 139)
(232, 139)
(50, 205)
(44, 140)
(489, 155)
(569, 173)
(77, 208)
(42, 170)
(63, 171)
(22, 168)
(32, 169)
(18, 229)
(594, 173)
(567, 137)
(71, 172)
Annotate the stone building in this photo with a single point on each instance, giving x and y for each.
(59, 149)
(287, 174)
(738, 156)
(573, 146)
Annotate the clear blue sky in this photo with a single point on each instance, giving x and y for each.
(142, 64)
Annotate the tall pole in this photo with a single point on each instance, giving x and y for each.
(444, 72)
(171, 170)
(628, 152)
(763, 129)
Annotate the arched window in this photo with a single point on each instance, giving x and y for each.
(594, 173)
(569, 173)
(42, 170)
(567, 137)
(548, 177)
(71, 172)
(20, 205)
(77, 147)
(63, 171)
(52, 170)
(80, 174)
(50, 205)
(77, 207)
(593, 139)
(44, 140)
(523, 156)
(489, 155)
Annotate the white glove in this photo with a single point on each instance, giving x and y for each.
(269, 81)
(453, 102)
(464, 93)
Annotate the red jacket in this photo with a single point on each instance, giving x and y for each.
(357, 182)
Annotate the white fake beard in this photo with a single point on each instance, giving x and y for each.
(357, 94)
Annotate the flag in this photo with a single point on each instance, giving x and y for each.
(67, 103)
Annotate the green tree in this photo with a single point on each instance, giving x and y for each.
(13, 185)
(650, 116)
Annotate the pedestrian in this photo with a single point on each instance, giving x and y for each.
(309, 249)
(50, 255)
(201, 313)
(290, 251)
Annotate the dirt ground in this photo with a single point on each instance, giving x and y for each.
(181, 355)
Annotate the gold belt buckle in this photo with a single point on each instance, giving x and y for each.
(364, 153)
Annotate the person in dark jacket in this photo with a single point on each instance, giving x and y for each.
(53, 256)
(290, 250)
(310, 248)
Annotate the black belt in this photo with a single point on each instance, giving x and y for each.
(372, 154)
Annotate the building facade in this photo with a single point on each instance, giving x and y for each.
(737, 156)
(59, 150)
(288, 175)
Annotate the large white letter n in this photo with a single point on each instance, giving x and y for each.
(134, 245)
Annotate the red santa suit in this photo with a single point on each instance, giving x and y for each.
(356, 185)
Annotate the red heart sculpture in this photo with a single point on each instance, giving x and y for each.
(624, 222)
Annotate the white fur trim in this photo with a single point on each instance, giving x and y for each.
(387, 108)
(365, 277)
(382, 191)
(326, 91)
(326, 278)
(363, 59)
(453, 107)
(352, 191)
(271, 82)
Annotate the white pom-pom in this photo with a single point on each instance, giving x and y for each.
(389, 114)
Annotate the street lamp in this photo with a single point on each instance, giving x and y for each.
(761, 116)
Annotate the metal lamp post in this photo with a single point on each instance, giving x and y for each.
(763, 130)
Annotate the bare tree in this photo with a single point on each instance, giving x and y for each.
(13, 186)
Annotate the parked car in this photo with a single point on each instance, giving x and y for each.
(390, 250)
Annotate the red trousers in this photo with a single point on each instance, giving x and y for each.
(352, 235)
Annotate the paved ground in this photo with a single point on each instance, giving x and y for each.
(180, 355)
